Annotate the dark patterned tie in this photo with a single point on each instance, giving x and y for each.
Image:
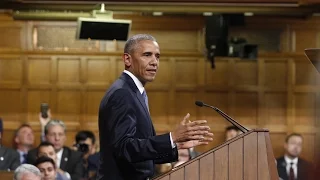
(291, 172)
(24, 161)
(145, 97)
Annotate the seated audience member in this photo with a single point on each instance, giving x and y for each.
(9, 158)
(291, 166)
(184, 156)
(27, 172)
(85, 143)
(47, 149)
(48, 169)
(231, 132)
(67, 160)
(23, 141)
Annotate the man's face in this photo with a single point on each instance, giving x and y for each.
(231, 134)
(25, 137)
(56, 136)
(47, 151)
(143, 61)
(294, 146)
(47, 170)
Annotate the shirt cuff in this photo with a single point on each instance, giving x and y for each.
(173, 145)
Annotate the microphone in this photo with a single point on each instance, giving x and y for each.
(228, 118)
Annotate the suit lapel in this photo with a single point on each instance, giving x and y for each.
(135, 89)
(139, 96)
(282, 169)
(299, 169)
(64, 159)
(2, 160)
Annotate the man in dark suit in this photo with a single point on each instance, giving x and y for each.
(68, 160)
(291, 166)
(9, 159)
(129, 145)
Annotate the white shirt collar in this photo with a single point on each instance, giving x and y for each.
(289, 161)
(136, 81)
(59, 156)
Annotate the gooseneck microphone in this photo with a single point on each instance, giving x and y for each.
(228, 118)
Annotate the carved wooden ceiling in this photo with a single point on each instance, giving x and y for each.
(258, 7)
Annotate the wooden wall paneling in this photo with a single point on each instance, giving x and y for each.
(92, 102)
(159, 111)
(217, 77)
(305, 112)
(247, 108)
(290, 93)
(277, 141)
(275, 76)
(11, 82)
(246, 73)
(231, 90)
(186, 73)
(172, 93)
(308, 146)
(305, 39)
(12, 35)
(11, 71)
(306, 74)
(207, 167)
(261, 119)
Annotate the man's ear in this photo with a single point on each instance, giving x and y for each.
(127, 59)
(16, 140)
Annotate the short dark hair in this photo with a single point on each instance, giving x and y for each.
(83, 135)
(293, 134)
(44, 144)
(16, 132)
(229, 128)
(20, 127)
(44, 159)
(134, 40)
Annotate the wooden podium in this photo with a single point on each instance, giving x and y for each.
(248, 156)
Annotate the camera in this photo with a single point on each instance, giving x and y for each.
(84, 148)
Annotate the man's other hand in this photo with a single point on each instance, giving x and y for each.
(196, 133)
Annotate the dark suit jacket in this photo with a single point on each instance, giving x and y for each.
(71, 162)
(129, 145)
(305, 169)
(9, 159)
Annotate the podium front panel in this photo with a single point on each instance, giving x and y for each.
(221, 164)
(207, 167)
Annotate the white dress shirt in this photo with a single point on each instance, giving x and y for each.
(59, 156)
(294, 165)
(141, 89)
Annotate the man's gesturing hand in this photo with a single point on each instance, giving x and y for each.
(192, 131)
